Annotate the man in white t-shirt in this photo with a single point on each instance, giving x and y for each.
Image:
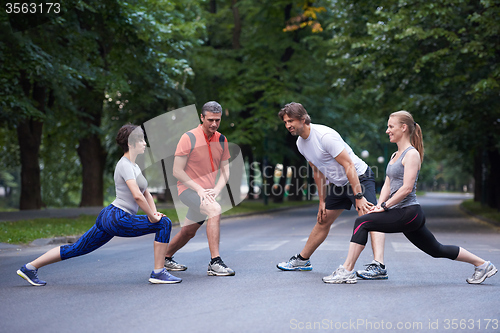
(342, 179)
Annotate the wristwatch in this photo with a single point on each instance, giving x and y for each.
(359, 196)
(384, 206)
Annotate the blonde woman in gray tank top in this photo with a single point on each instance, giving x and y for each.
(399, 211)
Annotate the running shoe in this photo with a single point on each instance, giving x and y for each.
(295, 264)
(31, 276)
(218, 268)
(163, 277)
(172, 265)
(480, 274)
(373, 271)
(340, 275)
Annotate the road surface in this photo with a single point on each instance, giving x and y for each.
(108, 290)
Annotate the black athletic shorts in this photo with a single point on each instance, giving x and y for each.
(342, 197)
(191, 199)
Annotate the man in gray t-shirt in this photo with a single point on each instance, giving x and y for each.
(343, 180)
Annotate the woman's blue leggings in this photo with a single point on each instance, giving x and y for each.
(113, 221)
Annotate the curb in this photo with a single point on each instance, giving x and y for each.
(71, 239)
(481, 218)
(274, 210)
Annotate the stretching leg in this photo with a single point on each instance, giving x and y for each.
(213, 210)
(319, 233)
(378, 244)
(425, 241)
(187, 232)
(353, 255)
(93, 239)
(466, 256)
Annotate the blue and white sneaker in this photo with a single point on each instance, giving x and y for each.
(295, 264)
(373, 271)
(163, 277)
(31, 276)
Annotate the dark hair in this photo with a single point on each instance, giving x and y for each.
(295, 111)
(416, 137)
(211, 106)
(129, 134)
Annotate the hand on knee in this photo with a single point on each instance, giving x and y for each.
(212, 209)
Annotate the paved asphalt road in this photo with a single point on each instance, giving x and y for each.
(108, 290)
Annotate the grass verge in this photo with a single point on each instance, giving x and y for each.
(477, 208)
(26, 231)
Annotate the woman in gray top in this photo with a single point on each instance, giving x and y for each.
(120, 217)
(398, 209)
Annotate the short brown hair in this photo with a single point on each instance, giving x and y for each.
(295, 111)
(128, 134)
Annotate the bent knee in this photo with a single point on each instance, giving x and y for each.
(190, 233)
(190, 230)
(211, 209)
(168, 224)
(324, 223)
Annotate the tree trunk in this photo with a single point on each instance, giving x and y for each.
(90, 150)
(213, 7)
(246, 151)
(478, 175)
(279, 190)
(92, 156)
(29, 134)
(493, 197)
(297, 184)
(237, 26)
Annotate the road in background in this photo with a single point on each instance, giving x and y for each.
(108, 290)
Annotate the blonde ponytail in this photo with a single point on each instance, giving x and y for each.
(417, 141)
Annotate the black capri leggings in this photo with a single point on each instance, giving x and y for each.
(408, 220)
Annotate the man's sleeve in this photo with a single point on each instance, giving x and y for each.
(183, 146)
(332, 144)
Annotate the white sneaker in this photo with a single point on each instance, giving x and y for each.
(172, 265)
(219, 268)
(340, 275)
(480, 274)
(295, 264)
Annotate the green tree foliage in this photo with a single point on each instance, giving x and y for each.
(439, 60)
(259, 56)
(62, 72)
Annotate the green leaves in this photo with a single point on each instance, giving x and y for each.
(439, 60)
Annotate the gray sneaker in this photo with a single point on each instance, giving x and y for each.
(219, 268)
(340, 275)
(172, 265)
(373, 271)
(295, 264)
(480, 274)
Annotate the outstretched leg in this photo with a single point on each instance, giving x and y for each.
(320, 232)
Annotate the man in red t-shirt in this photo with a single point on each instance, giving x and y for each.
(201, 153)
